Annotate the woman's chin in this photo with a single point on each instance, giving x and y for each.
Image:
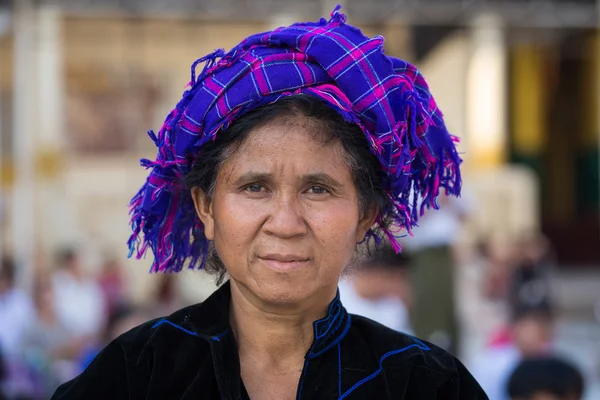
(277, 292)
(288, 288)
(284, 293)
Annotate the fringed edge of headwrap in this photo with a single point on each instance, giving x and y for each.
(415, 159)
(176, 238)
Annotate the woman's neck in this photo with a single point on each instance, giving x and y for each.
(270, 336)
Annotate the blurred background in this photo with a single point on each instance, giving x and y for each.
(510, 270)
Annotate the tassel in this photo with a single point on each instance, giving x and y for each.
(336, 16)
(209, 61)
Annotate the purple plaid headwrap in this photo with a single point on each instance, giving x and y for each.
(386, 97)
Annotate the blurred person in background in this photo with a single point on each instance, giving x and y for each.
(500, 259)
(529, 283)
(123, 320)
(112, 284)
(531, 335)
(49, 351)
(165, 299)
(545, 378)
(433, 314)
(501, 256)
(16, 310)
(518, 278)
(16, 316)
(3, 377)
(281, 158)
(379, 289)
(78, 300)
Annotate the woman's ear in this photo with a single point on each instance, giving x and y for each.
(204, 210)
(366, 222)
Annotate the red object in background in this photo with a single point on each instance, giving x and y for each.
(112, 285)
(500, 338)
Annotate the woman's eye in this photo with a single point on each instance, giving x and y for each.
(254, 188)
(318, 189)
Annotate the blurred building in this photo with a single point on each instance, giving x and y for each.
(80, 82)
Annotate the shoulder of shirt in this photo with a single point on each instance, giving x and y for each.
(174, 328)
(402, 350)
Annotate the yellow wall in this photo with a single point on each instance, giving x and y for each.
(528, 99)
(591, 93)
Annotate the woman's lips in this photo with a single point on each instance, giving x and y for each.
(284, 262)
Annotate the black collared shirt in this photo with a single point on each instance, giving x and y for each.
(192, 354)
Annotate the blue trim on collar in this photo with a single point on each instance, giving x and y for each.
(331, 329)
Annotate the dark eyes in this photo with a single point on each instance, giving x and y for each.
(318, 189)
(258, 188)
(254, 188)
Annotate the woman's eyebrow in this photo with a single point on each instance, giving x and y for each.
(256, 176)
(253, 176)
(322, 178)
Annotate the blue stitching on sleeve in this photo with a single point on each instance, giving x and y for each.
(419, 345)
(181, 328)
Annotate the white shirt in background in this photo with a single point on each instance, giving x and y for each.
(388, 311)
(79, 305)
(493, 368)
(439, 227)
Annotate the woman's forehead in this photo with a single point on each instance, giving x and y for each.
(292, 131)
(288, 147)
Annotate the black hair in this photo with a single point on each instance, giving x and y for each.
(328, 126)
(7, 270)
(65, 256)
(550, 375)
(541, 311)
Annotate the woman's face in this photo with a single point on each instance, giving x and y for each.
(284, 215)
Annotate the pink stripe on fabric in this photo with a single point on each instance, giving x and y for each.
(214, 87)
(352, 57)
(190, 126)
(222, 106)
(378, 92)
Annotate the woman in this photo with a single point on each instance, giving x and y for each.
(293, 147)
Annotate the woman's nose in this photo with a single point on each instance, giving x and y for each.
(286, 218)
